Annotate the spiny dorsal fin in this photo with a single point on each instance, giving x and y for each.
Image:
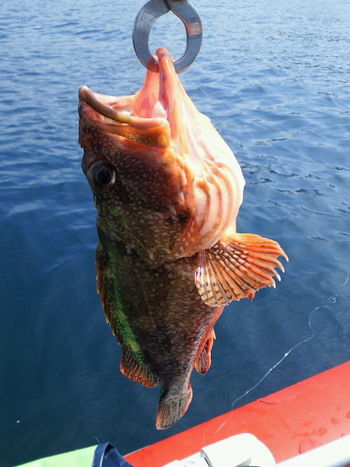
(236, 267)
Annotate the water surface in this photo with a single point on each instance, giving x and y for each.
(274, 78)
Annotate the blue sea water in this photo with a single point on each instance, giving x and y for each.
(274, 77)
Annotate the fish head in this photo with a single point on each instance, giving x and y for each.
(164, 181)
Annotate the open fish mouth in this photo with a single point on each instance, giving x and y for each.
(167, 189)
(161, 117)
(160, 114)
(105, 106)
(154, 116)
(116, 116)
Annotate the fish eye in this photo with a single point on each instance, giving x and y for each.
(102, 177)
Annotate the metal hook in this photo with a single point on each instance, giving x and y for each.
(148, 15)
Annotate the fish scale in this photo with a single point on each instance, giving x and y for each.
(169, 257)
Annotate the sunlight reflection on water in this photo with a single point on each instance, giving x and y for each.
(274, 79)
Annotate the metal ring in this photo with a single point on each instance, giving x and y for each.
(153, 10)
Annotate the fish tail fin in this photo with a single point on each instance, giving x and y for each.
(236, 267)
(172, 405)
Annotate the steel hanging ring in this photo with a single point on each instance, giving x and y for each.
(153, 10)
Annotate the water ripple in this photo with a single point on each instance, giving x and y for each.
(274, 78)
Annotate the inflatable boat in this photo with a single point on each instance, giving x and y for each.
(306, 424)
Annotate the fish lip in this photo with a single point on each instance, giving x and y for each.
(101, 105)
(168, 80)
(115, 116)
(84, 93)
(86, 96)
(102, 108)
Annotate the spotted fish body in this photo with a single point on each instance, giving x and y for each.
(167, 189)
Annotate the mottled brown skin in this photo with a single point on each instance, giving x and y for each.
(170, 322)
(148, 181)
(164, 311)
(167, 189)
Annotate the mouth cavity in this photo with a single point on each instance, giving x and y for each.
(147, 117)
(152, 103)
(104, 106)
(116, 117)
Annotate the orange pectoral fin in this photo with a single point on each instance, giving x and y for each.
(236, 267)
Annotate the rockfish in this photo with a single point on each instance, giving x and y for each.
(167, 189)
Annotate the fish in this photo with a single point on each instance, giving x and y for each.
(167, 189)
